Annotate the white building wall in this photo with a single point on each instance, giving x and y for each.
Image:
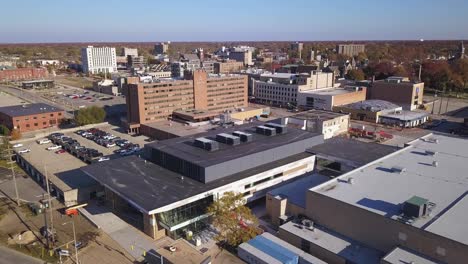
(98, 60)
(276, 92)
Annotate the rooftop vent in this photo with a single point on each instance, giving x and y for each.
(398, 169)
(308, 224)
(351, 180)
(244, 137)
(416, 207)
(431, 153)
(435, 163)
(280, 129)
(228, 139)
(206, 144)
(267, 131)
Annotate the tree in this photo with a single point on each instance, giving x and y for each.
(91, 115)
(15, 134)
(235, 222)
(460, 69)
(436, 74)
(4, 131)
(356, 75)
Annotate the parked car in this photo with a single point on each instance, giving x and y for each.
(43, 141)
(101, 159)
(19, 145)
(54, 147)
(22, 151)
(60, 151)
(110, 145)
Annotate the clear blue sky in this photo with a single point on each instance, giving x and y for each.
(216, 20)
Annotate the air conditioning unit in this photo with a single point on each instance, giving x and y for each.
(398, 169)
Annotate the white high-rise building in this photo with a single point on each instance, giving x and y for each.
(98, 60)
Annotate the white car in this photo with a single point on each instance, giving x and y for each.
(54, 147)
(24, 151)
(19, 145)
(110, 145)
(101, 159)
(43, 141)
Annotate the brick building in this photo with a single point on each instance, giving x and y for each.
(151, 102)
(23, 74)
(30, 117)
(228, 66)
(398, 90)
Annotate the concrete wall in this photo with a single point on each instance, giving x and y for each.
(279, 206)
(380, 232)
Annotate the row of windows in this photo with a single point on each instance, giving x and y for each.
(224, 84)
(241, 93)
(169, 90)
(35, 117)
(167, 101)
(190, 95)
(170, 105)
(166, 85)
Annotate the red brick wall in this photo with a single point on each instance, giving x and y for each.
(23, 74)
(33, 122)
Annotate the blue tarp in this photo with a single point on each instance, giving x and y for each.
(274, 250)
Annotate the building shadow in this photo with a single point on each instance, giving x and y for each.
(390, 209)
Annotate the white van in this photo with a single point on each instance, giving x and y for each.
(43, 141)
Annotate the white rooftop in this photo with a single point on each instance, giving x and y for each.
(401, 255)
(328, 91)
(377, 189)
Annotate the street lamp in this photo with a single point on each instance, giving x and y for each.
(74, 239)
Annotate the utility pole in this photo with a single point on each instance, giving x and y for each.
(420, 69)
(50, 206)
(74, 239)
(12, 167)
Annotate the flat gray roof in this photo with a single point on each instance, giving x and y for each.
(328, 91)
(318, 114)
(350, 150)
(28, 109)
(296, 191)
(372, 105)
(452, 224)
(149, 186)
(402, 255)
(377, 189)
(342, 246)
(184, 148)
(405, 115)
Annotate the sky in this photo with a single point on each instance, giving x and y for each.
(33, 21)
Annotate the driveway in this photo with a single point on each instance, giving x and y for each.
(122, 232)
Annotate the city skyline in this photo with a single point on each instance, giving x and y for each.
(57, 21)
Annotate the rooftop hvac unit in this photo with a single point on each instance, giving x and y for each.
(415, 207)
(435, 163)
(267, 131)
(244, 137)
(351, 180)
(398, 169)
(228, 139)
(206, 144)
(308, 223)
(280, 129)
(431, 153)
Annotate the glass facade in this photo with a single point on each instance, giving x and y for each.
(185, 213)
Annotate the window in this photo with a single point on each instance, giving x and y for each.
(35, 117)
(59, 114)
(35, 124)
(278, 175)
(27, 125)
(44, 123)
(402, 236)
(261, 181)
(440, 251)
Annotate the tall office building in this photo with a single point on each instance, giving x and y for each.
(161, 48)
(151, 102)
(297, 47)
(98, 60)
(350, 49)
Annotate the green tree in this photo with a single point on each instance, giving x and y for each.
(234, 221)
(90, 115)
(4, 131)
(356, 75)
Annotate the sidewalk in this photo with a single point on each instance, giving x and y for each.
(123, 233)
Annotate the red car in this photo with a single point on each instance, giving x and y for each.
(60, 151)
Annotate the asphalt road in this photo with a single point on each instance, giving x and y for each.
(9, 256)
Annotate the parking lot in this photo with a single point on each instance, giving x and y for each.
(62, 169)
(76, 98)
